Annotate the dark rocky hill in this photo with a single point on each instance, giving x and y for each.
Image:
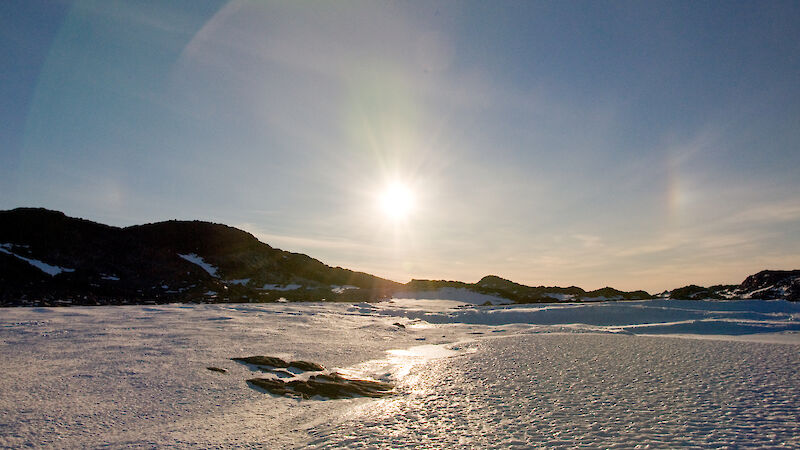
(49, 258)
(695, 292)
(520, 293)
(771, 284)
(765, 285)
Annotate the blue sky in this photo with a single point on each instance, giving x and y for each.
(631, 144)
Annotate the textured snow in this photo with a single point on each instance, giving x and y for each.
(616, 374)
(241, 281)
(587, 390)
(198, 260)
(43, 266)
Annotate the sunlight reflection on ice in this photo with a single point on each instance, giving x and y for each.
(404, 360)
(399, 368)
(399, 362)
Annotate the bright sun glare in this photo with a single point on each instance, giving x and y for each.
(397, 201)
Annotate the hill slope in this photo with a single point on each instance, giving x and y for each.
(47, 257)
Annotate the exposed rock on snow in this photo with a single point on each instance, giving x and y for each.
(263, 361)
(217, 369)
(333, 386)
(269, 362)
(307, 366)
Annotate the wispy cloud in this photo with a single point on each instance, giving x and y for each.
(780, 211)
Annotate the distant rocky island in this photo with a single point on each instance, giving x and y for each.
(50, 259)
(766, 285)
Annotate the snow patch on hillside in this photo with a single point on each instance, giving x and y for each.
(199, 261)
(340, 289)
(43, 266)
(560, 297)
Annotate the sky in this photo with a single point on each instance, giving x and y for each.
(639, 145)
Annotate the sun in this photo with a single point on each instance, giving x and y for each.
(397, 201)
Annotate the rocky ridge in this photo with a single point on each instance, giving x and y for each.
(764, 285)
(520, 293)
(50, 259)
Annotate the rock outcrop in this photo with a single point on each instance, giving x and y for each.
(294, 383)
(271, 362)
(332, 386)
(764, 285)
(771, 284)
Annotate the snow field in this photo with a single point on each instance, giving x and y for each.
(595, 390)
(503, 376)
(136, 375)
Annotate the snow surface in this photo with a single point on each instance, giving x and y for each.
(43, 266)
(340, 289)
(198, 260)
(615, 374)
(457, 294)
